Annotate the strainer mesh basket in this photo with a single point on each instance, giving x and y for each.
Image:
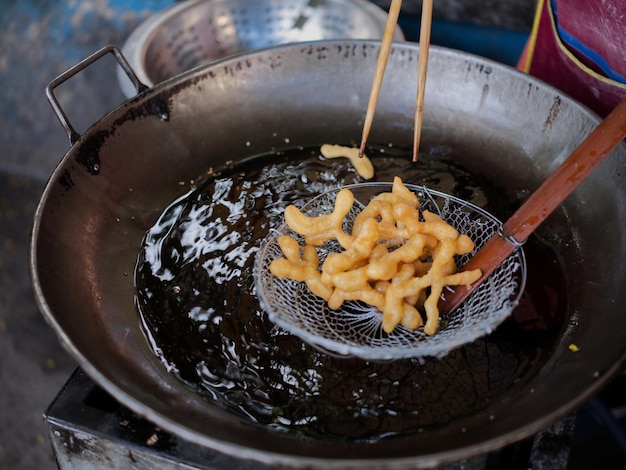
(356, 328)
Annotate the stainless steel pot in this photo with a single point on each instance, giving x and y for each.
(193, 33)
(120, 174)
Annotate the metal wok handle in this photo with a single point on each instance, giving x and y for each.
(121, 60)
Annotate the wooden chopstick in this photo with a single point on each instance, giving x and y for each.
(381, 65)
(425, 27)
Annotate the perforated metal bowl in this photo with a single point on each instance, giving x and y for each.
(197, 32)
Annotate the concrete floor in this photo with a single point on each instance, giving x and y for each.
(33, 366)
(38, 41)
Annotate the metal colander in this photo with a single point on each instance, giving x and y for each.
(356, 328)
(196, 32)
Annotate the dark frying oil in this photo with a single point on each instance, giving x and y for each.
(195, 294)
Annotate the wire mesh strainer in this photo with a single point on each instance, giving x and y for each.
(356, 328)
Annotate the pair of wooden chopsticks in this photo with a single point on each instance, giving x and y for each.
(381, 65)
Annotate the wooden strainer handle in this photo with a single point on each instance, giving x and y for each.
(589, 154)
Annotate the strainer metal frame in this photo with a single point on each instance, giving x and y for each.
(494, 299)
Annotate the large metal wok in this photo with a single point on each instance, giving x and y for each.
(120, 174)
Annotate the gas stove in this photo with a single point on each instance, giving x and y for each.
(89, 429)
